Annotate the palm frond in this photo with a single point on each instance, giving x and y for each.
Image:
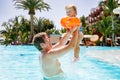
(31, 5)
(111, 4)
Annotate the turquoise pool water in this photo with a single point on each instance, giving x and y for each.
(22, 63)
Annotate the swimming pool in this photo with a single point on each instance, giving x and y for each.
(22, 63)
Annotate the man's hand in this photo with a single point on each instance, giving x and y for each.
(73, 29)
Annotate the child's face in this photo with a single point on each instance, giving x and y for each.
(70, 12)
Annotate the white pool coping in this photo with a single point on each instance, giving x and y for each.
(110, 56)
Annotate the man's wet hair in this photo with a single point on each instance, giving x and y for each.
(38, 41)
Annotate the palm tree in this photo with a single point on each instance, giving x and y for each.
(104, 27)
(32, 6)
(10, 32)
(43, 25)
(24, 30)
(111, 5)
(16, 30)
(117, 26)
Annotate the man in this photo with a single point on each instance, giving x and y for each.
(50, 54)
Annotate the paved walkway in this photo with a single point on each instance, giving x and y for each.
(110, 56)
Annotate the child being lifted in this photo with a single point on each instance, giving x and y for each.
(70, 21)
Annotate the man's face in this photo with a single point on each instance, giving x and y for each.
(70, 12)
(47, 41)
(46, 38)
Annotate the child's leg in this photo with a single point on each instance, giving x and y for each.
(77, 47)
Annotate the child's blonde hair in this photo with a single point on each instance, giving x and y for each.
(71, 6)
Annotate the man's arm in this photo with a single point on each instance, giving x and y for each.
(64, 39)
(58, 52)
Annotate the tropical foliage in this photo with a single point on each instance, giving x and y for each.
(43, 25)
(117, 26)
(17, 30)
(20, 30)
(107, 23)
(31, 6)
(111, 5)
(104, 27)
(63, 30)
(87, 29)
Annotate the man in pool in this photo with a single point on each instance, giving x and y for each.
(50, 54)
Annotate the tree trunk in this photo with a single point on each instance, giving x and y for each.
(113, 35)
(32, 27)
(104, 40)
